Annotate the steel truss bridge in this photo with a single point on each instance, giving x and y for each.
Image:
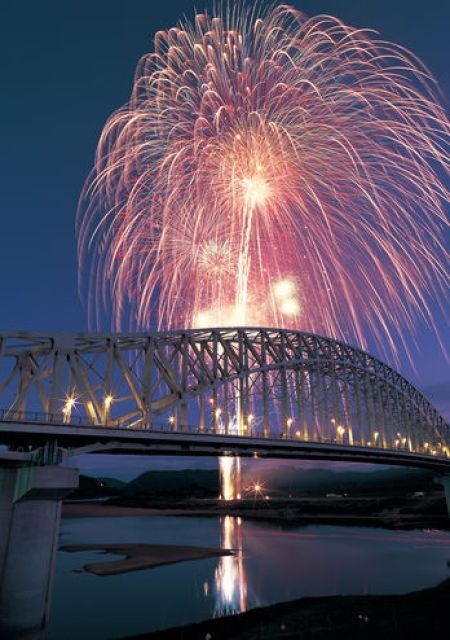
(234, 391)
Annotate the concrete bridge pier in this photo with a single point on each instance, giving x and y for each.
(30, 510)
(445, 482)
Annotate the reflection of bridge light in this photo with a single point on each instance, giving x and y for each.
(230, 581)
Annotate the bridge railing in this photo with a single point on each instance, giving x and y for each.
(40, 417)
(139, 424)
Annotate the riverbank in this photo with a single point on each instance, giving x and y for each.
(418, 514)
(102, 510)
(421, 614)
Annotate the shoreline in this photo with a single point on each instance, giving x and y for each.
(359, 617)
(418, 614)
(280, 515)
(102, 510)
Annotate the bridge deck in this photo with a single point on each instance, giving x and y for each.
(92, 439)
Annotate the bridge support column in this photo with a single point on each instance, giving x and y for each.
(30, 509)
(445, 482)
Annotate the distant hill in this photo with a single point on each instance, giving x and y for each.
(316, 482)
(90, 488)
(111, 483)
(182, 483)
(171, 486)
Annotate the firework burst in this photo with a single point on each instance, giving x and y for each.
(269, 169)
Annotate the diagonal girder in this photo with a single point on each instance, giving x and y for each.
(257, 382)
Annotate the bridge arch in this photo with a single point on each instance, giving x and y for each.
(252, 382)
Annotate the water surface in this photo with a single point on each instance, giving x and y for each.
(271, 564)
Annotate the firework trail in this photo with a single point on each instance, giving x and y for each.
(271, 170)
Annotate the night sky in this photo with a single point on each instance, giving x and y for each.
(65, 67)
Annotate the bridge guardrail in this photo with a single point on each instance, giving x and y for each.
(38, 417)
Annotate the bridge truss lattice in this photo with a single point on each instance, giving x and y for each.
(264, 383)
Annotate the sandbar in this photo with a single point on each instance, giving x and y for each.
(142, 556)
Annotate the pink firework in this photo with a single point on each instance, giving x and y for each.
(274, 170)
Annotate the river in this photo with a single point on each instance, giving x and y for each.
(271, 564)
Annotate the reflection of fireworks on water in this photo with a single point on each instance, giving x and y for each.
(230, 580)
(269, 171)
(255, 151)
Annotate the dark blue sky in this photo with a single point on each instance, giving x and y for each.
(65, 67)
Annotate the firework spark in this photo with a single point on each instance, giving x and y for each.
(270, 169)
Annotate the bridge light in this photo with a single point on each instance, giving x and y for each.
(67, 409)
(340, 430)
(376, 435)
(108, 401)
(297, 434)
(69, 403)
(289, 422)
(171, 419)
(397, 442)
(333, 421)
